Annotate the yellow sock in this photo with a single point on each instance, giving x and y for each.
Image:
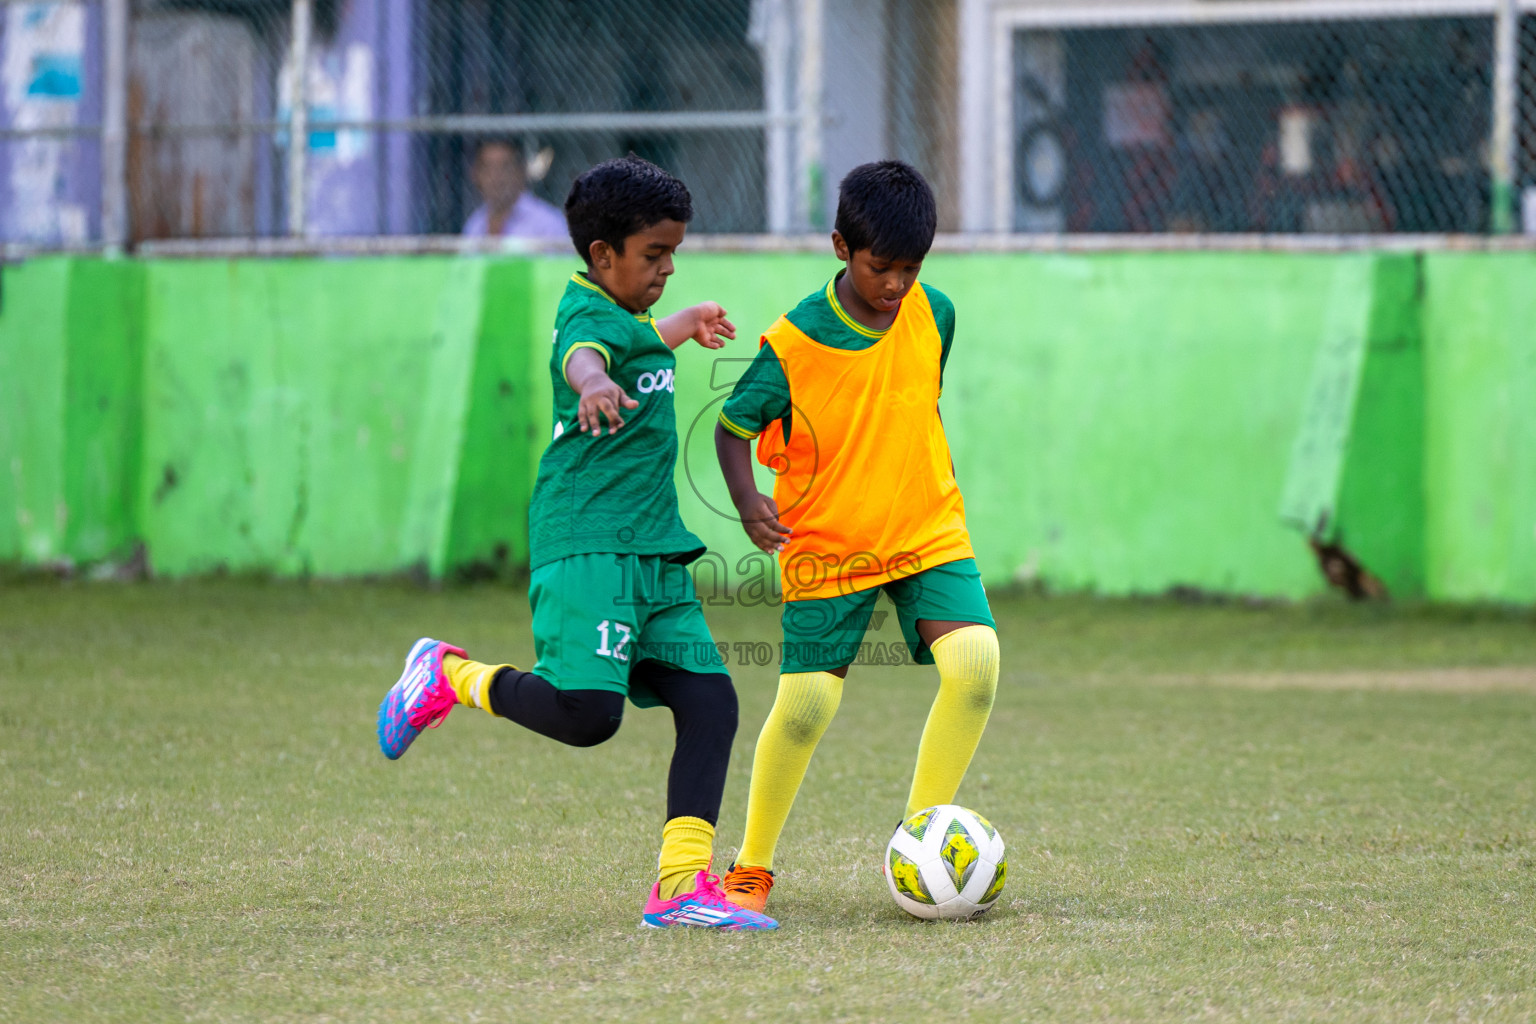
(967, 661)
(687, 844)
(801, 713)
(471, 681)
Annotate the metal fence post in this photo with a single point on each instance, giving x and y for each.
(114, 126)
(1506, 70)
(775, 45)
(809, 170)
(298, 115)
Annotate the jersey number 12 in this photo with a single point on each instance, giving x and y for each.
(617, 652)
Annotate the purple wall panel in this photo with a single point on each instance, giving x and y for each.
(50, 189)
(355, 176)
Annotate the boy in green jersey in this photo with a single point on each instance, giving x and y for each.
(614, 610)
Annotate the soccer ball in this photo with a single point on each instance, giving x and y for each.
(945, 863)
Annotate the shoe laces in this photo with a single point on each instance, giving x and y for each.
(709, 890)
(748, 880)
(436, 701)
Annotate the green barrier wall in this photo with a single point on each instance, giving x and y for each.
(70, 415)
(1121, 423)
(1356, 474)
(333, 417)
(1126, 424)
(33, 349)
(1480, 426)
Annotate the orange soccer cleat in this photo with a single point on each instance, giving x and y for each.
(747, 887)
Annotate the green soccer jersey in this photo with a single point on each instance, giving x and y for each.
(762, 394)
(610, 493)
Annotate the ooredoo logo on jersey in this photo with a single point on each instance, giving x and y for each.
(661, 380)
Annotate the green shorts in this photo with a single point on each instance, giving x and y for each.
(597, 617)
(826, 633)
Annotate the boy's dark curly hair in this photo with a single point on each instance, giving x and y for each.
(887, 208)
(622, 197)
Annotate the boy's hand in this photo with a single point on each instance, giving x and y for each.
(759, 513)
(712, 329)
(760, 518)
(600, 395)
(704, 323)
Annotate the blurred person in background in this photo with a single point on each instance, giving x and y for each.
(499, 173)
(1138, 131)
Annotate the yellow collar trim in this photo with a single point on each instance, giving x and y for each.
(577, 277)
(848, 321)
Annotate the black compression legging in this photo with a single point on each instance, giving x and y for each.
(703, 710)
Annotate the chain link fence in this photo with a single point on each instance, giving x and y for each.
(413, 110)
(205, 86)
(451, 117)
(415, 114)
(1523, 171)
(1319, 127)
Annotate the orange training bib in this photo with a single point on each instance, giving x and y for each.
(865, 479)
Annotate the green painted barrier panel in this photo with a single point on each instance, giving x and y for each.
(1124, 423)
(1480, 426)
(105, 385)
(33, 353)
(1310, 500)
(309, 416)
(1381, 505)
(33, 356)
(70, 388)
(1119, 423)
(1355, 480)
(501, 438)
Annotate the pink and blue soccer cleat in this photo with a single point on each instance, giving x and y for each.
(420, 699)
(704, 907)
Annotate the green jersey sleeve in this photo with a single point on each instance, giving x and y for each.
(590, 328)
(944, 319)
(760, 397)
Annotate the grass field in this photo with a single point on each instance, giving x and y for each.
(1213, 812)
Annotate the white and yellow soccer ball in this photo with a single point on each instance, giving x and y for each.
(945, 863)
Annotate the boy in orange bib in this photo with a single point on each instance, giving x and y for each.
(843, 401)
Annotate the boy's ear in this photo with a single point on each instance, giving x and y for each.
(600, 254)
(840, 247)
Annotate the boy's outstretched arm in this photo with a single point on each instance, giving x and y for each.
(586, 371)
(759, 513)
(705, 323)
